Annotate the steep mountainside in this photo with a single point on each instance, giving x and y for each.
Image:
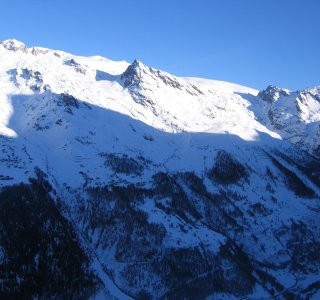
(125, 182)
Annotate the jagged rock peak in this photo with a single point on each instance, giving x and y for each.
(314, 92)
(138, 74)
(14, 45)
(133, 73)
(137, 64)
(272, 93)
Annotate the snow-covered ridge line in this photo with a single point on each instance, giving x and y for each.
(18, 46)
(166, 102)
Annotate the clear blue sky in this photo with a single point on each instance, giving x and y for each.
(250, 42)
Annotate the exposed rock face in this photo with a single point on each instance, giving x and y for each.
(140, 81)
(14, 45)
(272, 93)
(295, 116)
(77, 67)
(32, 79)
(132, 75)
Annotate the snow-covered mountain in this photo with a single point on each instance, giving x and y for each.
(121, 181)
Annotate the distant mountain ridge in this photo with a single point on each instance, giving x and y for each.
(126, 182)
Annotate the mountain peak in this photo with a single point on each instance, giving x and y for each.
(133, 73)
(272, 93)
(140, 67)
(137, 63)
(14, 45)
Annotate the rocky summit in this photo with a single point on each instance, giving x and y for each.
(120, 181)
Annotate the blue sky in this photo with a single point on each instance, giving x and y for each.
(250, 42)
